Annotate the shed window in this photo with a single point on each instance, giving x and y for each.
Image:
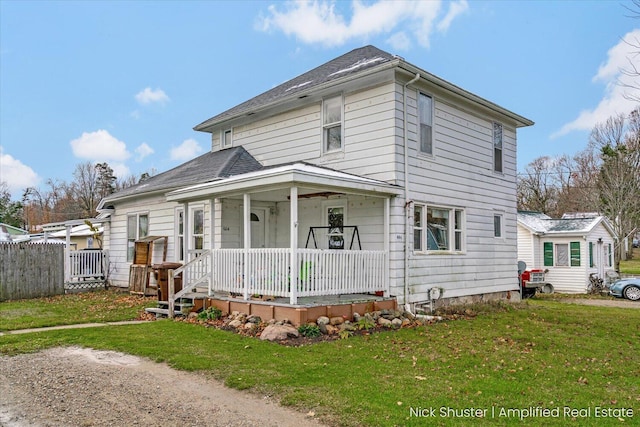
(562, 255)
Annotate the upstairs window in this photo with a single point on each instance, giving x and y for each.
(332, 124)
(227, 139)
(425, 111)
(497, 147)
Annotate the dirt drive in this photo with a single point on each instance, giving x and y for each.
(83, 387)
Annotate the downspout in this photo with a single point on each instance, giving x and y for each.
(406, 191)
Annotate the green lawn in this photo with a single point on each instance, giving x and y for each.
(538, 356)
(632, 266)
(86, 307)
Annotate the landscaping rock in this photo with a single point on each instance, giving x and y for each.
(396, 322)
(322, 320)
(384, 321)
(236, 323)
(279, 332)
(334, 321)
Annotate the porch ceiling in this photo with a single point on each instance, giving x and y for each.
(274, 184)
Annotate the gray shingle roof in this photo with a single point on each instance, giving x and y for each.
(211, 166)
(541, 223)
(354, 62)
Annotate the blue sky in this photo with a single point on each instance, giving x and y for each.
(125, 82)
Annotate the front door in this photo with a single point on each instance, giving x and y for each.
(258, 228)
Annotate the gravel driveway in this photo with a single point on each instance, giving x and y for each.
(73, 386)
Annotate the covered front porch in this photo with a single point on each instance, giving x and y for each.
(289, 232)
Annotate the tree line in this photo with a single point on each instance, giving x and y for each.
(603, 179)
(60, 201)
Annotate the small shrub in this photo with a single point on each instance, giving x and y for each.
(211, 313)
(344, 334)
(309, 330)
(365, 324)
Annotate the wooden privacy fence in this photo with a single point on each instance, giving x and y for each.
(31, 270)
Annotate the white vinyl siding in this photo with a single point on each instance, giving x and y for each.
(162, 222)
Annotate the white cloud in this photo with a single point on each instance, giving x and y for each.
(186, 151)
(120, 170)
(148, 96)
(399, 41)
(99, 146)
(616, 87)
(319, 21)
(16, 174)
(455, 9)
(143, 150)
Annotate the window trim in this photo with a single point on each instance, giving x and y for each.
(500, 230)
(192, 223)
(179, 237)
(493, 147)
(326, 126)
(419, 129)
(136, 215)
(223, 138)
(452, 230)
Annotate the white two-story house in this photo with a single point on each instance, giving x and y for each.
(366, 174)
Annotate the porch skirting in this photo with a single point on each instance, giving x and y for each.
(307, 309)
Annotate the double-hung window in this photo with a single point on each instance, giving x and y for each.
(497, 147)
(197, 229)
(425, 111)
(332, 124)
(180, 235)
(137, 228)
(562, 254)
(438, 228)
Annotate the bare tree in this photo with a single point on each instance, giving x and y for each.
(536, 188)
(619, 180)
(85, 188)
(632, 68)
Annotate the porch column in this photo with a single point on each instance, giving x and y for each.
(387, 254)
(246, 207)
(186, 232)
(293, 244)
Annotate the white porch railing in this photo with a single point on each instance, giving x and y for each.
(86, 265)
(320, 272)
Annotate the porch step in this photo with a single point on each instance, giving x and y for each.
(161, 312)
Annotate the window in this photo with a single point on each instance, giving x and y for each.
(332, 124)
(227, 139)
(609, 255)
(425, 111)
(180, 235)
(417, 228)
(444, 229)
(197, 229)
(137, 228)
(497, 147)
(591, 263)
(562, 255)
(335, 221)
(497, 226)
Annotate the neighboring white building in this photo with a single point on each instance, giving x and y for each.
(570, 248)
(422, 169)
